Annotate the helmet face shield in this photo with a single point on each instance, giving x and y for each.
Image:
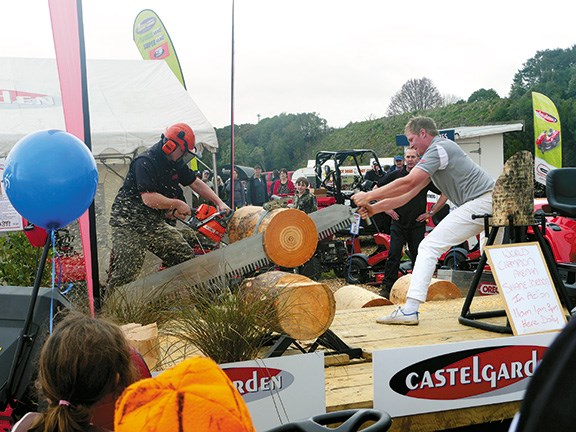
(188, 156)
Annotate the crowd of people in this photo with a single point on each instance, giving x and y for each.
(151, 200)
(87, 361)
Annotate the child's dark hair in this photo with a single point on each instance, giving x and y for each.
(303, 181)
(82, 361)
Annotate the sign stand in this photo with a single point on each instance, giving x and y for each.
(472, 319)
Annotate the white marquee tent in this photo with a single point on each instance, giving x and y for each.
(131, 103)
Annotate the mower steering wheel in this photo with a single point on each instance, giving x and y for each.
(357, 182)
(330, 177)
(351, 421)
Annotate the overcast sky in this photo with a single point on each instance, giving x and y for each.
(341, 59)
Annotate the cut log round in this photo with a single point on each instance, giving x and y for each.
(303, 309)
(289, 235)
(355, 297)
(438, 289)
(144, 339)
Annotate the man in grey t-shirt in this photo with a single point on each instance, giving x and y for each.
(467, 185)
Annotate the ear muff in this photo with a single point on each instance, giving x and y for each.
(169, 146)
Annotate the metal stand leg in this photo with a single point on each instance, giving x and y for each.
(25, 338)
(471, 319)
(328, 339)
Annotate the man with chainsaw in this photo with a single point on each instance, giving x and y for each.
(408, 224)
(465, 184)
(144, 213)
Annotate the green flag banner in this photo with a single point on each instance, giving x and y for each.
(547, 138)
(154, 43)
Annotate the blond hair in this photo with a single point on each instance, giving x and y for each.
(415, 124)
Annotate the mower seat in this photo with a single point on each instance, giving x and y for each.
(561, 191)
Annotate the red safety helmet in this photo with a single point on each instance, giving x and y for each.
(178, 135)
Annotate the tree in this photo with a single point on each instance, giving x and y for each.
(451, 99)
(483, 94)
(415, 95)
(551, 72)
(280, 141)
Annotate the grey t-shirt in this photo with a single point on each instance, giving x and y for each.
(453, 172)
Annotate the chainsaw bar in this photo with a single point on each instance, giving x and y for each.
(215, 269)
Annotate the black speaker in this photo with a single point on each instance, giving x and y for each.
(14, 306)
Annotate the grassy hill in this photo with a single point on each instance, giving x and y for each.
(380, 134)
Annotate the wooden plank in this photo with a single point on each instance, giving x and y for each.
(351, 386)
(438, 324)
(456, 418)
(336, 360)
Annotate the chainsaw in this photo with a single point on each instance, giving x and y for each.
(208, 221)
(217, 268)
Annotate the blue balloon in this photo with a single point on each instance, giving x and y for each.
(50, 178)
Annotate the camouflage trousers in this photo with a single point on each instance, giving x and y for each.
(129, 250)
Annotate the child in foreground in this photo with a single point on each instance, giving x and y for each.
(84, 360)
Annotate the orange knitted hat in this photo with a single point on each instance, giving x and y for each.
(193, 396)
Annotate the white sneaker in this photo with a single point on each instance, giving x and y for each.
(398, 317)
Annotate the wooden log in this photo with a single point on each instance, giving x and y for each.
(438, 289)
(513, 195)
(303, 309)
(355, 297)
(289, 235)
(144, 339)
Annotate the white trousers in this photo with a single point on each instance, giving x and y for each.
(455, 228)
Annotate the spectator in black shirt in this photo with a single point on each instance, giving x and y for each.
(257, 189)
(376, 174)
(408, 224)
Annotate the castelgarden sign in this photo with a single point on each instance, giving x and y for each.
(423, 379)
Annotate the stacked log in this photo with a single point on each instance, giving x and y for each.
(355, 297)
(303, 309)
(438, 289)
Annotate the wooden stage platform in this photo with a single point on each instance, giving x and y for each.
(350, 385)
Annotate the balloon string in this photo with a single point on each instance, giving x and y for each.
(53, 239)
(55, 258)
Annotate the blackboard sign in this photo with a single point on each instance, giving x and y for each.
(531, 300)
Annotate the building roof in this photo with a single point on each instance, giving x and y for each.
(478, 131)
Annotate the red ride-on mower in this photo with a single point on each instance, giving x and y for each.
(558, 215)
(548, 140)
(461, 257)
(369, 269)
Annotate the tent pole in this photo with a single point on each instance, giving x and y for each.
(215, 177)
